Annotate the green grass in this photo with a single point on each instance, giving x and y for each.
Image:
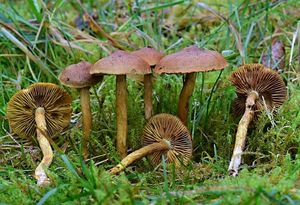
(33, 51)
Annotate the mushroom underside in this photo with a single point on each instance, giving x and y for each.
(164, 134)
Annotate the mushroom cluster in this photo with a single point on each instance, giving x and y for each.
(120, 63)
(43, 110)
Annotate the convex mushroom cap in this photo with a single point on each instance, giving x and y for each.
(150, 55)
(265, 81)
(170, 129)
(78, 75)
(120, 63)
(21, 109)
(191, 59)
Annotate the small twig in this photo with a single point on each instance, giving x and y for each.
(10, 135)
(95, 157)
(101, 162)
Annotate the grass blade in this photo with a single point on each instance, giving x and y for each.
(69, 165)
(35, 8)
(232, 27)
(46, 196)
(21, 46)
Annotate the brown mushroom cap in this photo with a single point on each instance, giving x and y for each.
(78, 76)
(121, 63)
(170, 128)
(150, 55)
(189, 60)
(265, 81)
(21, 109)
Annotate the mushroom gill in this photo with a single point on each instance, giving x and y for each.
(40, 111)
(164, 134)
(257, 87)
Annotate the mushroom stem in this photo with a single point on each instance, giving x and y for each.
(241, 134)
(140, 153)
(40, 173)
(148, 96)
(186, 92)
(86, 119)
(121, 115)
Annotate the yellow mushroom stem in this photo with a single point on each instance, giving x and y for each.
(186, 93)
(121, 115)
(148, 96)
(86, 119)
(241, 134)
(40, 173)
(140, 153)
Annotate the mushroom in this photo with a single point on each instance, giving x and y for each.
(190, 61)
(152, 57)
(41, 110)
(121, 63)
(257, 87)
(78, 76)
(164, 134)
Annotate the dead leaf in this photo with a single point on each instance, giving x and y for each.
(275, 58)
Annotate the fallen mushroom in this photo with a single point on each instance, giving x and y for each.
(121, 63)
(257, 87)
(78, 76)
(41, 109)
(190, 61)
(164, 134)
(152, 57)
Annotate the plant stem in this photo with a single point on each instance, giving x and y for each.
(86, 119)
(148, 96)
(121, 115)
(210, 97)
(40, 173)
(241, 134)
(186, 92)
(138, 154)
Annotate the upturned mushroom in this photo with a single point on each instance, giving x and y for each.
(152, 57)
(40, 110)
(257, 88)
(190, 61)
(121, 63)
(164, 134)
(78, 76)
